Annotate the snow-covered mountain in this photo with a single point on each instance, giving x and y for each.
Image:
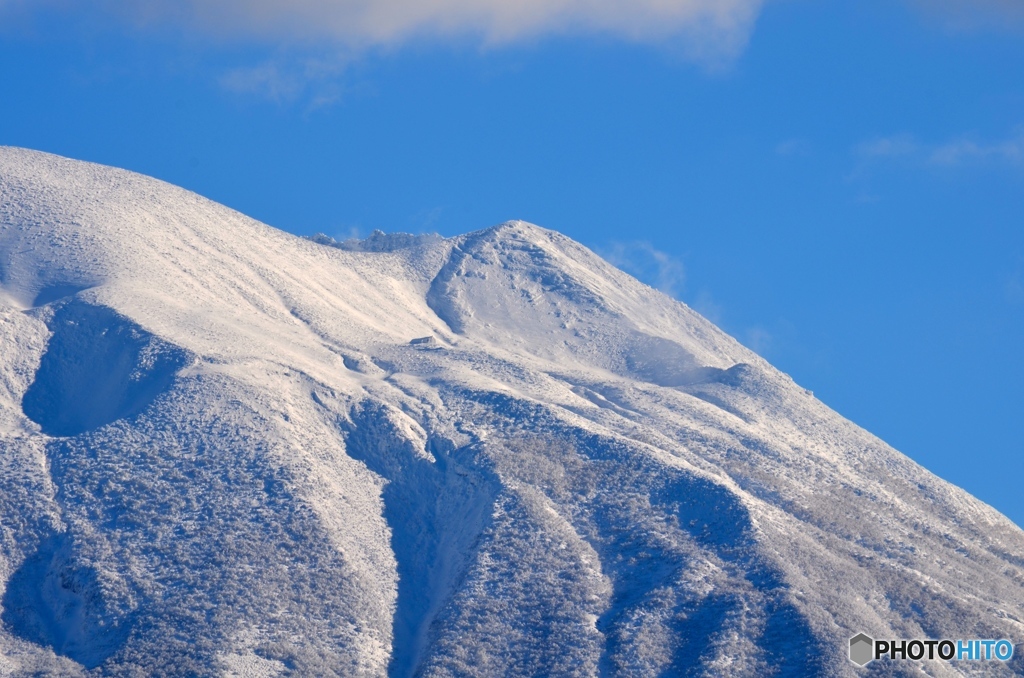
(226, 449)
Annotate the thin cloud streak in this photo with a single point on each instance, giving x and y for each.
(956, 152)
(888, 147)
(311, 42)
(711, 30)
(1015, 285)
(799, 147)
(285, 79)
(946, 154)
(971, 15)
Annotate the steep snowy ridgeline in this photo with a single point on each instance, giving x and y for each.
(223, 451)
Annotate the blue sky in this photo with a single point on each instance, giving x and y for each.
(839, 185)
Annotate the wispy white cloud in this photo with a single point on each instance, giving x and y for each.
(1014, 287)
(963, 150)
(945, 154)
(306, 36)
(426, 219)
(888, 147)
(649, 264)
(970, 15)
(706, 29)
(793, 147)
(286, 78)
(268, 79)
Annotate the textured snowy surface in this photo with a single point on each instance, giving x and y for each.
(221, 451)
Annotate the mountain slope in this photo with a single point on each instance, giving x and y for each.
(223, 450)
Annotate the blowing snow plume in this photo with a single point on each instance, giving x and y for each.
(228, 450)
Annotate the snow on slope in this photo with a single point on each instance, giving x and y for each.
(221, 453)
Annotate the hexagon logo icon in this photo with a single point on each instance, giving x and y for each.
(862, 649)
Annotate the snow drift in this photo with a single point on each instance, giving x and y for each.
(225, 449)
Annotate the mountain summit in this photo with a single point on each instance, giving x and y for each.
(225, 449)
